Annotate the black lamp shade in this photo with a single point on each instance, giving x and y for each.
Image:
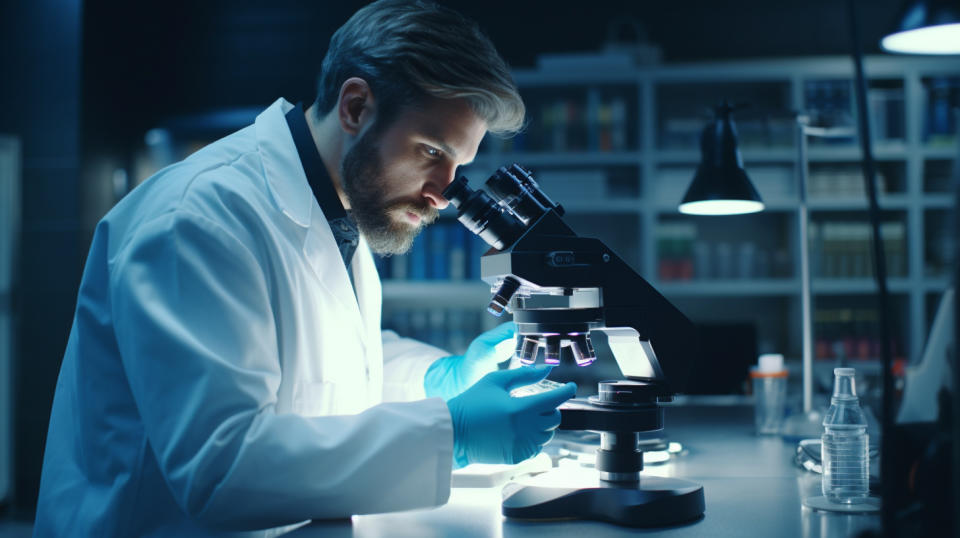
(926, 27)
(721, 185)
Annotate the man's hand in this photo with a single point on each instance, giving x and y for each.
(449, 376)
(490, 426)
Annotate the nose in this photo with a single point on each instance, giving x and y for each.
(434, 198)
(433, 189)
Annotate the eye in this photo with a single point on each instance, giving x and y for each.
(432, 152)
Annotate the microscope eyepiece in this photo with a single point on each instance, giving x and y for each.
(515, 186)
(482, 215)
(500, 220)
(457, 191)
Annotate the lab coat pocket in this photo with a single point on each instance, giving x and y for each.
(313, 399)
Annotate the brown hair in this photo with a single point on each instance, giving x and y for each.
(407, 50)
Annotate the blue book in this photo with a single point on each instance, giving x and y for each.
(437, 245)
(399, 267)
(418, 259)
(457, 256)
(477, 248)
(383, 266)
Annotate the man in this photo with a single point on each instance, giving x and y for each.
(225, 369)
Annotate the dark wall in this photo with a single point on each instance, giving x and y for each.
(40, 62)
(146, 61)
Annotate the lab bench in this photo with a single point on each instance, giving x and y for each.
(751, 487)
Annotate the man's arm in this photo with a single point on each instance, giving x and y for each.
(197, 336)
(405, 363)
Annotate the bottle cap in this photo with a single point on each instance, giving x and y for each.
(770, 362)
(769, 365)
(844, 386)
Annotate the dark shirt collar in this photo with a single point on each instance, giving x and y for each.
(344, 228)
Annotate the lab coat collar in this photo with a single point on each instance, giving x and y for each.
(291, 190)
(277, 151)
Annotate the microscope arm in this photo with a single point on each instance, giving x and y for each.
(650, 339)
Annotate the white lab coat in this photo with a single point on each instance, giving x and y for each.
(220, 373)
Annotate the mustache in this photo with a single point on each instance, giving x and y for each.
(426, 213)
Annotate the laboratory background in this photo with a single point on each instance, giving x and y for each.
(621, 96)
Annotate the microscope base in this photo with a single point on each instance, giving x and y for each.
(653, 502)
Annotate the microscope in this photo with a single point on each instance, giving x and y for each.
(567, 291)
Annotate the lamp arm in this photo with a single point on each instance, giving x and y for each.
(803, 224)
(887, 457)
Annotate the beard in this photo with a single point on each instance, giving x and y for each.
(382, 222)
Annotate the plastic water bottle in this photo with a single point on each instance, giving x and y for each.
(846, 463)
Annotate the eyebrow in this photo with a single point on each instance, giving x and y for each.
(434, 140)
(446, 149)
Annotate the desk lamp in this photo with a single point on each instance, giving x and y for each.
(721, 185)
(926, 27)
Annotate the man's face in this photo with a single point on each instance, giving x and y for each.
(393, 178)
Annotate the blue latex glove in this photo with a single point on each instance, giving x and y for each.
(490, 426)
(449, 376)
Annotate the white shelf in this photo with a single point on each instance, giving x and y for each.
(618, 206)
(436, 292)
(750, 155)
(825, 367)
(478, 293)
(729, 287)
(857, 203)
(938, 201)
(936, 284)
(882, 151)
(856, 286)
(940, 152)
(566, 158)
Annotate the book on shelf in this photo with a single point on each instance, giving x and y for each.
(835, 180)
(943, 95)
(842, 249)
(829, 103)
(451, 329)
(887, 120)
(591, 124)
(437, 249)
(682, 256)
(445, 251)
(848, 334)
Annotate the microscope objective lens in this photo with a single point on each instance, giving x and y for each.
(582, 349)
(501, 298)
(552, 352)
(578, 355)
(528, 350)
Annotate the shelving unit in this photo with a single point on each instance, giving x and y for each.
(10, 189)
(619, 150)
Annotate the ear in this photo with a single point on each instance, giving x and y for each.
(356, 107)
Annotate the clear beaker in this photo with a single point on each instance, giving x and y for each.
(770, 394)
